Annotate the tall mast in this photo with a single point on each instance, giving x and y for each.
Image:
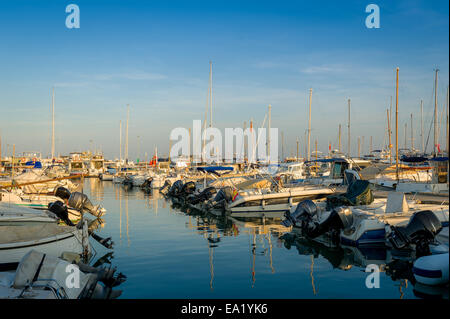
(389, 134)
(210, 93)
(282, 145)
(359, 146)
(339, 139)
(296, 157)
(421, 126)
(435, 113)
(362, 144)
(406, 134)
(446, 111)
(120, 140)
(412, 133)
(448, 162)
(396, 127)
(53, 122)
(126, 134)
(268, 133)
(348, 126)
(309, 126)
(370, 150)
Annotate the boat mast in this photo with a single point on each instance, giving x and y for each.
(120, 140)
(348, 126)
(435, 113)
(421, 126)
(359, 146)
(406, 125)
(126, 134)
(339, 139)
(396, 126)
(446, 111)
(53, 123)
(309, 125)
(448, 162)
(296, 157)
(389, 134)
(370, 144)
(211, 93)
(412, 134)
(268, 134)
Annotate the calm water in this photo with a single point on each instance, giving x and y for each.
(166, 253)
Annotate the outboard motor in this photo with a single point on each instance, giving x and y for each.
(223, 195)
(188, 189)
(339, 218)
(165, 188)
(420, 231)
(303, 212)
(59, 209)
(81, 202)
(205, 195)
(176, 188)
(147, 183)
(62, 193)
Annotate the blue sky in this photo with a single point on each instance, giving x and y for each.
(154, 55)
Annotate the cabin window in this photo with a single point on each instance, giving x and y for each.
(77, 165)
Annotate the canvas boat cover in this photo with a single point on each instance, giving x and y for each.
(358, 193)
(255, 184)
(44, 269)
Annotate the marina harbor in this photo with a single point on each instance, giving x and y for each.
(208, 152)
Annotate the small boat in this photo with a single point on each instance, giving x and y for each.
(392, 222)
(45, 276)
(18, 239)
(263, 203)
(106, 176)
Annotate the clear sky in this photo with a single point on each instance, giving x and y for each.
(154, 55)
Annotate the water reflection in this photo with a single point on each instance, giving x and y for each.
(160, 256)
(259, 231)
(395, 264)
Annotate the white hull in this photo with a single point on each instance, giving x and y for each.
(68, 239)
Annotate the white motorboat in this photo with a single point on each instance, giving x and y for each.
(269, 203)
(382, 222)
(18, 239)
(44, 276)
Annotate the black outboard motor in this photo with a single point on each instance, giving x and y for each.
(188, 189)
(420, 231)
(147, 183)
(165, 188)
(62, 193)
(176, 188)
(223, 195)
(303, 212)
(81, 202)
(205, 195)
(339, 218)
(59, 209)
